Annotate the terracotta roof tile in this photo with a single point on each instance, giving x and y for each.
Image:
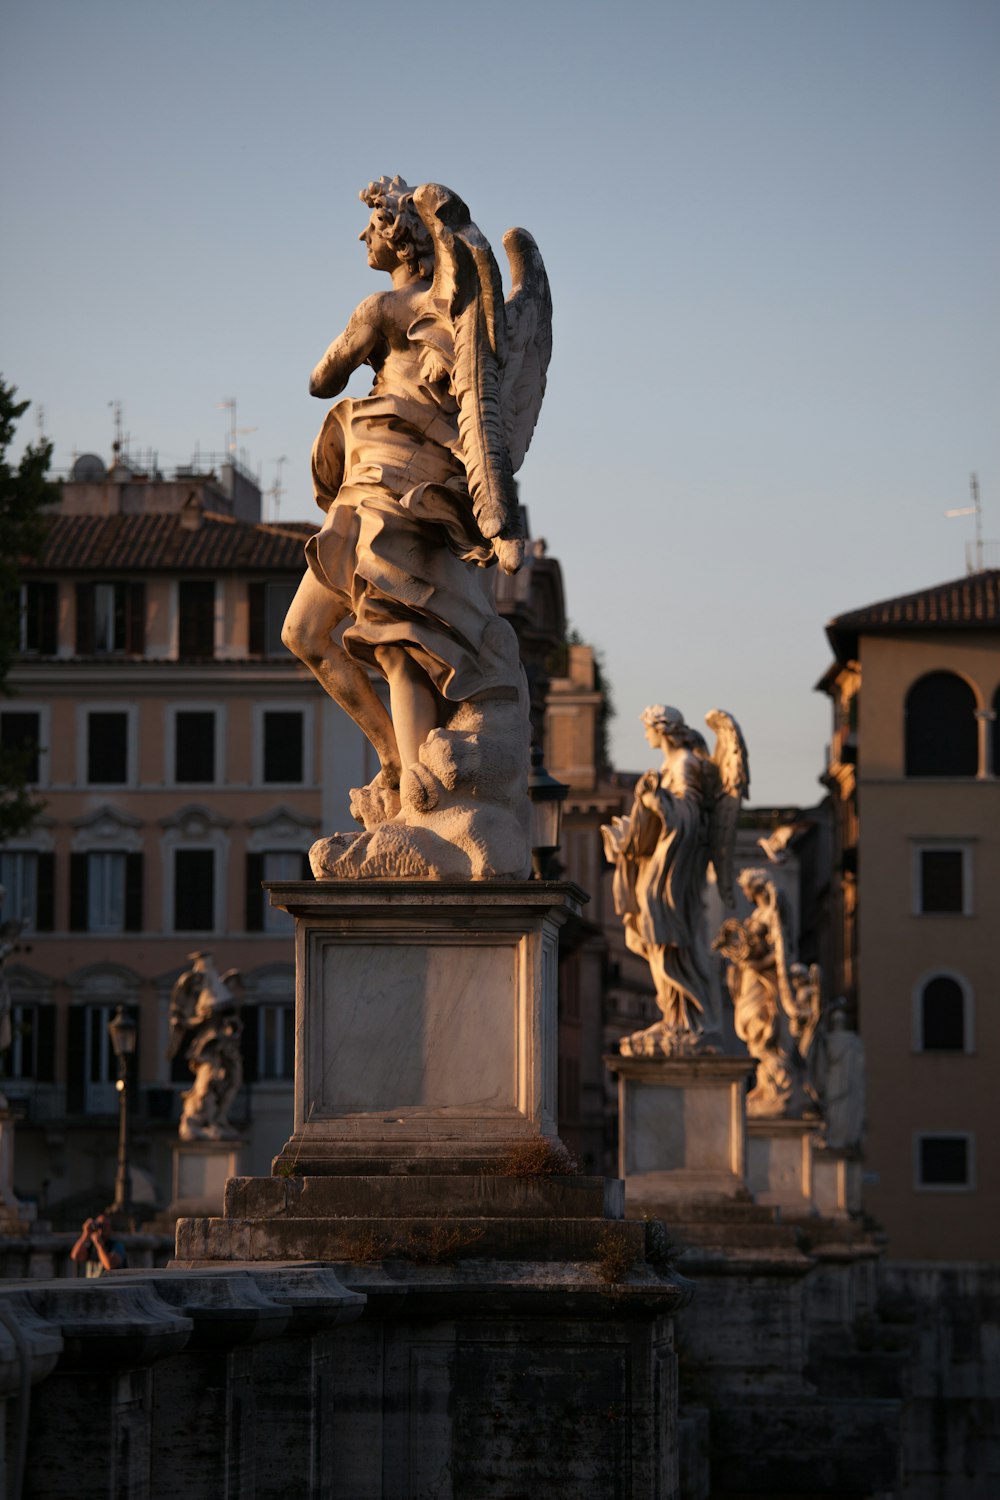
(969, 603)
(159, 543)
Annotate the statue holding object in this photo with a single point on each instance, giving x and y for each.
(776, 1004)
(417, 482)
(204, 1006)
(683, 818)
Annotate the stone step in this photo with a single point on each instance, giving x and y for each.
(465, 1195)
(434, 1156)
(434, 1240)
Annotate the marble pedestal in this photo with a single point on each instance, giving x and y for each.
(200, 1172)
(681, 1128)
(836, 1181)
(425, 1021)
(780, 1163)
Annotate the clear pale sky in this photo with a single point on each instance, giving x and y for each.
(773, 235)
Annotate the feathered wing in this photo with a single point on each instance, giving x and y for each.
(467, 291)
(732, 766)
(183, 1000)
(529, 334)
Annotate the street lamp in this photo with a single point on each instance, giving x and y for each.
(124, 1033)
(547, 797)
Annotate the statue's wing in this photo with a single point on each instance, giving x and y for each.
(529, 333)
(183, 1000)
(467, 290)
(733, 782)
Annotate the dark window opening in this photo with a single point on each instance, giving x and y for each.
(196, 617)
(942, 737)
(110, 619)
(943, 1016)
(944, 1160)
(107, 748)
(283, 746)
(39, 618)
(268, 605)
(941, 887)
(194, 746)
(194, 890)
(19, 735)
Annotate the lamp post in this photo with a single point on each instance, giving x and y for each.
(123, 1032)
(547, 797)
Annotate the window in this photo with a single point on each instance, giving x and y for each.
(105, 892)
(943, 1024)
(196, 617)
(110, 619)
(268, 605)
(107, 748)
(276, 1041)
(945, 1161)
(995, 734)
(39, 619)
(194, 746)
(278, 864)
(942, 881)
(20, 735)
(941, 733)
(92, 1068)
(283, 745)
(194, 890)
(31, 1055)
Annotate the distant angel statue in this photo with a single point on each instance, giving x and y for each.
(417, 481)
(204, 1010)
(683, 819)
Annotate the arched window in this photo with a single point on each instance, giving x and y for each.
(941, 731)
(942, 1021)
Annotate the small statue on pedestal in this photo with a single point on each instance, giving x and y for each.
(417, 481)
(776, 1004)
(204, 1005)
(683, 818)
(840, 1080)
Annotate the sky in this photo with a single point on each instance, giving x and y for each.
(772, 230)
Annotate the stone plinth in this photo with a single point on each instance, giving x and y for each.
(681, 1128)
(836, 1181)
(780, 1163)
(425, 1020)
(200, 1172)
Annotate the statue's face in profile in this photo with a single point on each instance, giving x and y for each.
(381, 255)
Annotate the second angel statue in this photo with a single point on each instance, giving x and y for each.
(416, 479)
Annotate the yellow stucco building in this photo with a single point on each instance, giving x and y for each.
(914, 771)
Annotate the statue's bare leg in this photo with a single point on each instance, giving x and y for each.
(413, 699)
(313, 615)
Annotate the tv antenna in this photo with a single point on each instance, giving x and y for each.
(118, 446)
(234, 431)
(975, 509)
(276, 491)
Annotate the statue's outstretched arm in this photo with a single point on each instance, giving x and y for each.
(360, 340)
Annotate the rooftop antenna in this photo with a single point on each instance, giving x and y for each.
(118, 445)
(234, 431)
(975, 509)
(276, 491)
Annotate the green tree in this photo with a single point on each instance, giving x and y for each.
(24, 493)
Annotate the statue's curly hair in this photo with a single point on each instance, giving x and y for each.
(671, 721)
(391, 202)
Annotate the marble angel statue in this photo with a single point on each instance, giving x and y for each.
(204, 1010)
(776, 1004)
(417, 482)
(683, 819)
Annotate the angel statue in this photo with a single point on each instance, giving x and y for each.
(776, 1004)
(417, 482)
(683, 819)
(204, 1006)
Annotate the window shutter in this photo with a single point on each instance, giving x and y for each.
(76, 1058)
(255, 897)
(132, 1061)
(85, 619)
(135, 619)
(307, 873)
(249, 1043)
(45, 894)
(78, 893)
(45, 1043)
(47, 612)
(257, 624)
(133, 892)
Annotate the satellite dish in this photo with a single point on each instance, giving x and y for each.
(89, 469)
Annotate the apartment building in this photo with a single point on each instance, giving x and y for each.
(914, 773)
